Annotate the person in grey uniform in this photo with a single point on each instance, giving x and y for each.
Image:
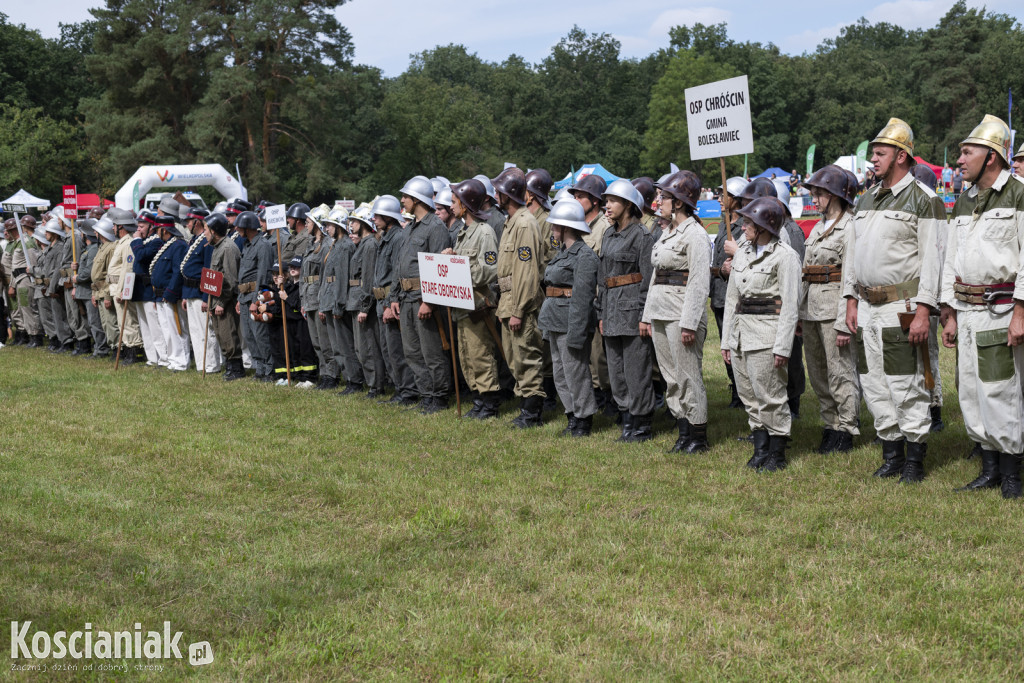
(300, 233)
(360, 304)
(309, 293)
(761, 310)
(623, 282)
(83, 290)
(387, 212)
(567, 316)
(254, 276)
(421, 322)
(71, 256)
(64, 340)
(337, 342)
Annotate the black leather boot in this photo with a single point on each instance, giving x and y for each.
(583, 426)
(735, 402)
(913, 469)
(351, 388)
(989, 477)
(842, 442)
(490, 402)
(530, 411)
(827, 437)
(35, 341)
(937, 424)
(570, 420)
(1009, 469)
(684, 435)
(127, 355)
(776, 458)
(627, 427)
(760, 437)
(478, 403)
(233, 369)
(550, 394)
(893, 457)
(698, 442)
(642, 430)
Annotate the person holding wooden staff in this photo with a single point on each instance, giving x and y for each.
(477, 332)
(831, 364)
(197, 256)
(721, 263)
(983, 305)
(891, 284)
(760, 321)
(675, 314)
(120, 266)
(225, 259)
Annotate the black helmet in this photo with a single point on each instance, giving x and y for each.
(218, 223)
(238, 206)
(835, 180)
(472, 194)
(645, 186)
(594, 185)
(201, 214)
(765, 212)
(538, 183)
(247, 220)
(759, 187)
(297, 210)
(925, 175)
(512, 183)
(684, 186)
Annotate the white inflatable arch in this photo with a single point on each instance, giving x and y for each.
(187, 175)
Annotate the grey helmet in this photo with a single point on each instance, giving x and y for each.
(488, 186)
(105, 228)
(562, 194)
(782, 190)
(444, 197)
(734, 185)
(569, 213)
(53, 226)
(624, 189)
(419, 188)
(439, 184)
(86, 226)
(40, 236)
(387, 205)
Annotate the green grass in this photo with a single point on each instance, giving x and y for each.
(314, 537)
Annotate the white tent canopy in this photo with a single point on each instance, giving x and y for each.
(27, 200)
(188, 175)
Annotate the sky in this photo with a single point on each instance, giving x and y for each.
(387, 32)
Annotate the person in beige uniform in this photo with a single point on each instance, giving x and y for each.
(761, 311)
(675, 313)
(477, 333)
(120, 265)
(827, 349)
(983, 305)
(20, 289)
(101, 297)
(519, 282)
(892, 267)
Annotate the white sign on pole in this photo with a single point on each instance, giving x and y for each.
(445, 279)
(796, 206)
(275, 215)
(347, 204)
(718, 119)
(128, 287)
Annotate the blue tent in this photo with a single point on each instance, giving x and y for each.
(780, 173)
(585, 170)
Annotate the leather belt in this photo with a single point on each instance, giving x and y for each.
(984, 295)
(558, 292)
(192, 282)
(144, 279)
(66, 272)
(310, 279)
(678, 278)
(330, 279)
(246, 287)
(98, 285)
(158, 291)
(409, 283)
(823, 274)
(380, 293)
(505, 283)
(759, 306)
(885, 294)
(355, 283)
(623, 280)
(19, 271)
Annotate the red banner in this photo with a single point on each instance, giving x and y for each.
(70, 201)
(211, 282)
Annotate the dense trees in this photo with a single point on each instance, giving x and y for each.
(270, 85)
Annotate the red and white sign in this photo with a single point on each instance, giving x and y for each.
(70, 201)
(445, 279)
(211, 282)
(347, 204)
(128, 287)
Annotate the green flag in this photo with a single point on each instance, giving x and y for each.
(810, 160)
(862, 156)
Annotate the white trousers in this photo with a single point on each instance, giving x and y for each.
(175, 344)
(152, 337)
(197, 330)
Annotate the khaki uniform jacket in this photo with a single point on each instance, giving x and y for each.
(775, 273)
(101, 268)
(895, 239)
(518, 258)
(225, 259)
(598, 227)
(476, 242)
(297, 245)
(624, 252)
(120, 263)
(685, 248)
(826, 246)
(546, 238)
(986, 239)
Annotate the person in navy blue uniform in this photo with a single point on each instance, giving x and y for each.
(144, 248)
(193, 301)
(165, 275)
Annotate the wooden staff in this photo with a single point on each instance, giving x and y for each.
(206, 337)
(284, 315)
(728, 212)
(455, 371)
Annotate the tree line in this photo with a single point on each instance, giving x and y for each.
(272, 86)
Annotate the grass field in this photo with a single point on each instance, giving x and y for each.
(309, 536)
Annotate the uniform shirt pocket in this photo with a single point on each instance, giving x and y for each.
(906, 222)
(999, 225)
